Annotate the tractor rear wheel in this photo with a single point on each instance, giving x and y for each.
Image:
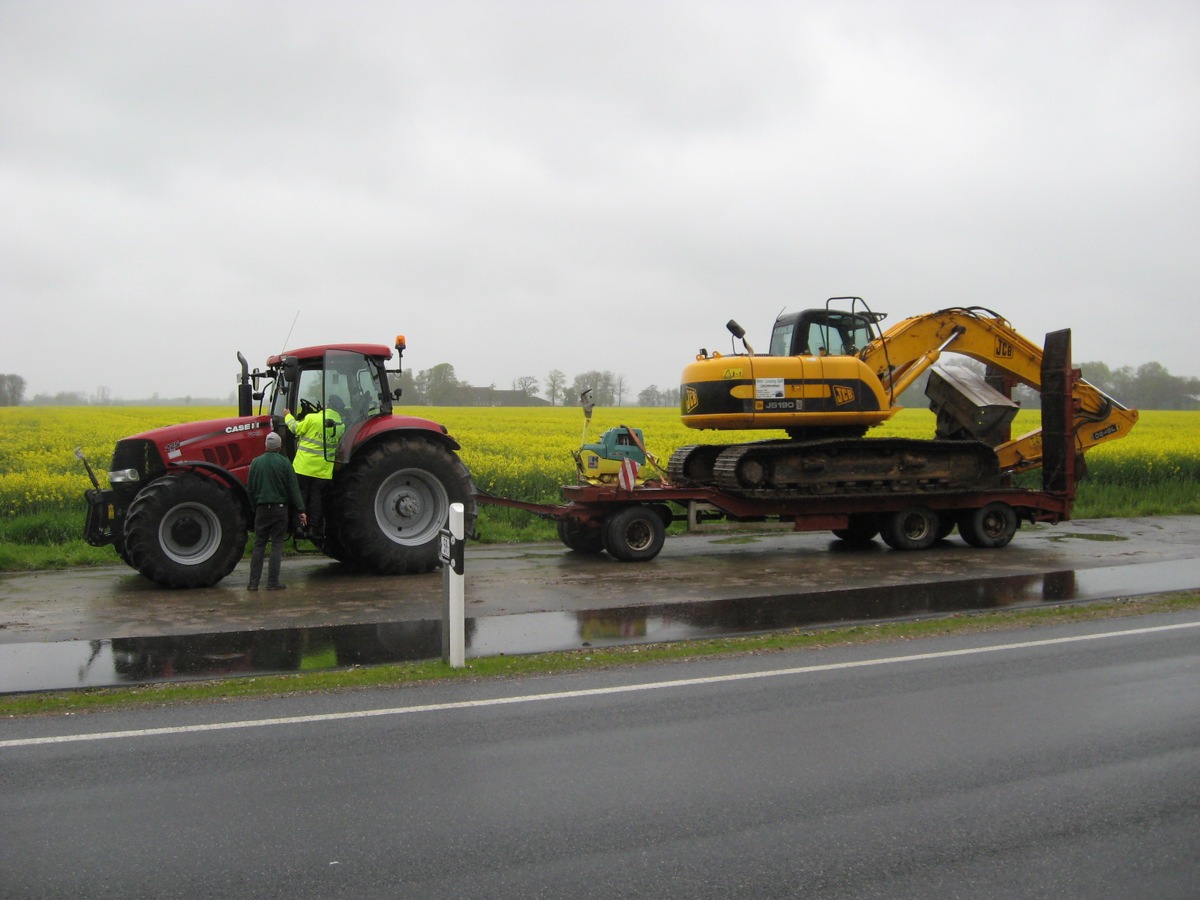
(185, 531)
(393, 501)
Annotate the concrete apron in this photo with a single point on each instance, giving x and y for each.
(112, 602)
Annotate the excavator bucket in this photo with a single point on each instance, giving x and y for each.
(967, 406)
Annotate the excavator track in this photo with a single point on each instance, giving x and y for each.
(784, 469)
(693, 464)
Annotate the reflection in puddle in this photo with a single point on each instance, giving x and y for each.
(71, 664)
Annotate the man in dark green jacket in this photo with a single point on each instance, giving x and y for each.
(273, 489)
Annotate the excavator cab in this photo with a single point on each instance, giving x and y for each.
(825, 332)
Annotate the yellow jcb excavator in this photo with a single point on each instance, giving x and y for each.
(831, 374)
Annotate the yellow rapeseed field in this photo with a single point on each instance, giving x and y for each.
(522, 453)
(38, 468)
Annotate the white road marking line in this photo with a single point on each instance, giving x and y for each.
(588, 692)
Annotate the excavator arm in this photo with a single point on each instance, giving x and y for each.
(909, 348)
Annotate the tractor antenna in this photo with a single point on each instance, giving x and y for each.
(289, 334)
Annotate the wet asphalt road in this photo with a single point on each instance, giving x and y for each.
(1056, 763)
(503, 580)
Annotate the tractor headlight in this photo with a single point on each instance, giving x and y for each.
(123, 476)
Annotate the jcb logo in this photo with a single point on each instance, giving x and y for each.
(1003, 349)
(842, 395)
(691, 399)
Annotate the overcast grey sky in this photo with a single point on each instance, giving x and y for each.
(520, 186)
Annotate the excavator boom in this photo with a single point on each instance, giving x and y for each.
(900, 355)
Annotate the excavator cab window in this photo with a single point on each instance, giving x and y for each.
(781, 339)
(820, 332)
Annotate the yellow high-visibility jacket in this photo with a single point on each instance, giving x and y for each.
(317, 435)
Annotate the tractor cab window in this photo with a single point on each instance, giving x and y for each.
(353, 381)
(305, 394)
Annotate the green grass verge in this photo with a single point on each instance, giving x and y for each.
(416, 673)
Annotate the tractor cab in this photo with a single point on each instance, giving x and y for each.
(349, 380)
(344, 385)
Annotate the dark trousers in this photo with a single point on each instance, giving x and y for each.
(313, 491)
(270, 524)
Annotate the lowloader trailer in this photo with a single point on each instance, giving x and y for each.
(629, 520)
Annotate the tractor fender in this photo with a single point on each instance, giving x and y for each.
(363, 434)
(223, 475)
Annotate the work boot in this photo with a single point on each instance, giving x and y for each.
(276, 587)
(252, 587)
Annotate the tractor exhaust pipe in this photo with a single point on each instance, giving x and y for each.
(245, 392)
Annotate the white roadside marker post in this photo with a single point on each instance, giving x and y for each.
(454, 625)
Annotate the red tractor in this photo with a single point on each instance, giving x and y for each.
(177, 509)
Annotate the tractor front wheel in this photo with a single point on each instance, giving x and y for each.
(393, 501)
(185, 531)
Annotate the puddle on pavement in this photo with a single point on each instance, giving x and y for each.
(117, 661)
(1080, 536)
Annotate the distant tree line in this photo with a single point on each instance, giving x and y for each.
(12, 390)
(440, 386)
(1149, 386)
(103, 397)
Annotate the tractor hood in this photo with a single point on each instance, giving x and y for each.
(231, 443)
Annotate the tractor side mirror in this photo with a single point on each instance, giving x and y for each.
(291, 369)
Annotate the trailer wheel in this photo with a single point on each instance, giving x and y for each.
(580, 537)
(860, 532)
(914, 528)
(634, 534)
(990, 527)
(946, 523)
(185, 531)
(393, 501)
